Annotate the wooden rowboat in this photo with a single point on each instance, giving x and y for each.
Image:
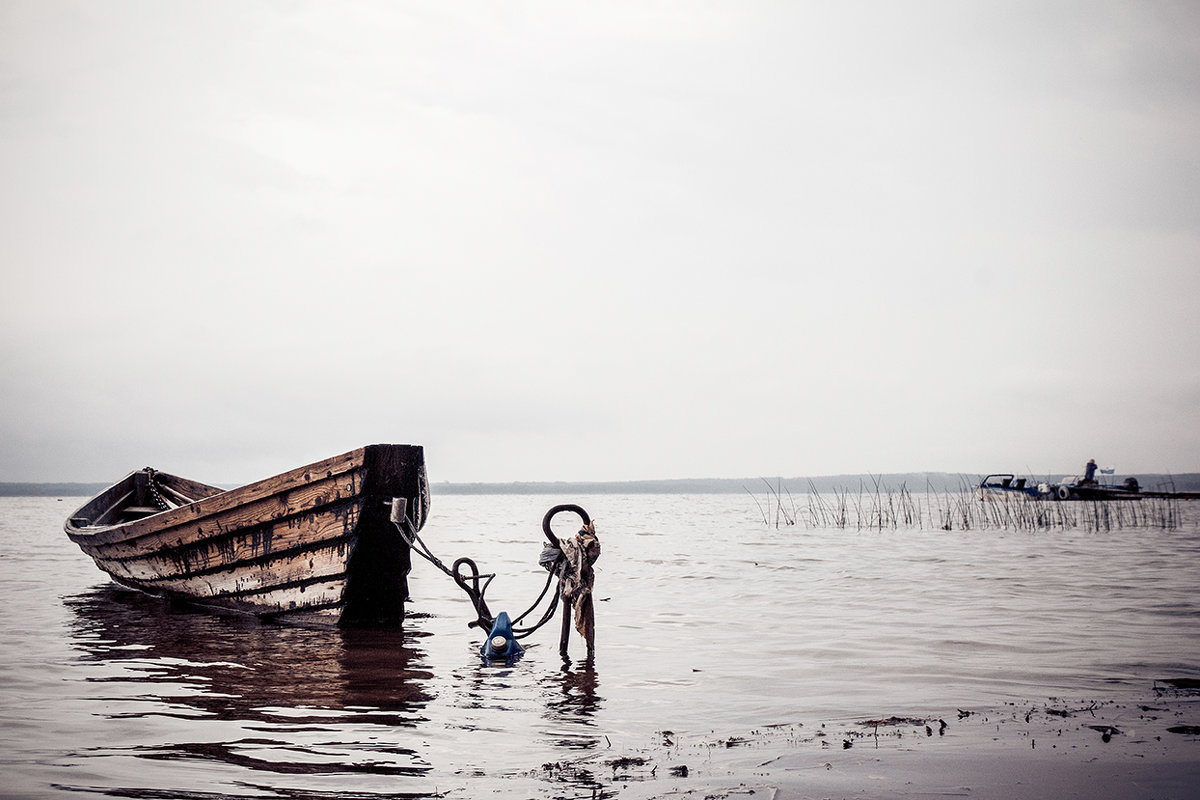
(315, 544)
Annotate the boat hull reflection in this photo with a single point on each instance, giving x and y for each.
(273, 701)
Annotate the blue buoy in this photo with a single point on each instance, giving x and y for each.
(501, 644)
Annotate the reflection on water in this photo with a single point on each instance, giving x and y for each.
(247, 668)
(579, 700)
(279, 707)
(305, 701)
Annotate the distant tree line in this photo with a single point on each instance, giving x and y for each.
(911, 481)
(860, 483)
(51, 489)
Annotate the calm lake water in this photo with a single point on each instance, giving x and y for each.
(710, 625)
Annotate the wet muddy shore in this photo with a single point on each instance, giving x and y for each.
(1051, 748)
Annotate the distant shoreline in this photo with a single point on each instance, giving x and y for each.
(865, 483)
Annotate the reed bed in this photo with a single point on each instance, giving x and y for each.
(880, 508)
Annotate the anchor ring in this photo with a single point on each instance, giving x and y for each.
(556, 510)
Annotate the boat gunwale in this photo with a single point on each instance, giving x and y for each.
(291, 504)
(212, 505)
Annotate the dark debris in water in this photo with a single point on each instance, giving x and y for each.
(880, 723)
(1106, 731)
(568, 771)
(1187, 730)
(1176, 687)
(1070, 712)
(1053, 723)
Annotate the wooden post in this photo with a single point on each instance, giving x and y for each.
(566, 627)
(589, 612)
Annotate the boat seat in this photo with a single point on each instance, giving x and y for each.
(139, 511)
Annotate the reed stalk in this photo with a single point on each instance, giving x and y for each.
(878, 508)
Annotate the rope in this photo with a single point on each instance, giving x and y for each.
(471, 583)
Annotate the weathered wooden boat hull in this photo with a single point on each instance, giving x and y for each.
(315, 544)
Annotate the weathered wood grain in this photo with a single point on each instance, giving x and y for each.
(299, 567)
(234, 500)
(324, 599)
(315, 541)
(240, 547)
(200, 523)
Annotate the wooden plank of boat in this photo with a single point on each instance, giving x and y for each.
(296, 534)
(312, 543)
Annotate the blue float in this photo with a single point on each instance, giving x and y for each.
(501, 644)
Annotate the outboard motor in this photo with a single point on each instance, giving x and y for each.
(1131, 485)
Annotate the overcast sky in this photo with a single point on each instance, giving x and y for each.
(601, 241)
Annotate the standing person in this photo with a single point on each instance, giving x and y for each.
(1089, 475)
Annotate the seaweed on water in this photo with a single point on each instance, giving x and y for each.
(879, 723)
(1189, 730)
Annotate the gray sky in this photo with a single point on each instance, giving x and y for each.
(601, 241)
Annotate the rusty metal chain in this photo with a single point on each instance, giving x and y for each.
(155, 495)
